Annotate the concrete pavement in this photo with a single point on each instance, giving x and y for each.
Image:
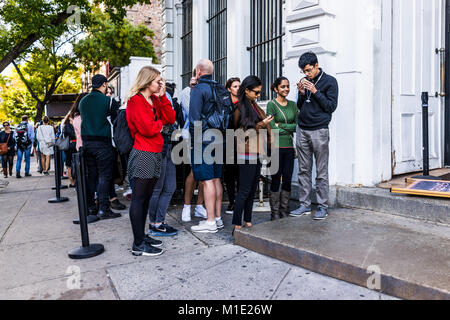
(35, 237)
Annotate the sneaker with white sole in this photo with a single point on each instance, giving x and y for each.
(219, 223)
(186, 214)
(200, 212)
(205, 227)
(146, 250)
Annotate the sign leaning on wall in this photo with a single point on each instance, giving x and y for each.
(430, 188)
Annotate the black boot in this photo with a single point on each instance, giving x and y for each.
(284, 204)
(10, 170)
(274, 205)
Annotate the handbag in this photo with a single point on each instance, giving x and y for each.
(4, 146)
(63, 143)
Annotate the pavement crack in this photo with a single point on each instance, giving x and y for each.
(279, 285)
(113, 287)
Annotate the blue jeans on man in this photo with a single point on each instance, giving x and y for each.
(20, 154)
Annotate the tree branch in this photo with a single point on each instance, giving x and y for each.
(35, 97)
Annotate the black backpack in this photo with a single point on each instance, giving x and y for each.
(122, 135)
(223, 108)
(179, 113)
(22, 139)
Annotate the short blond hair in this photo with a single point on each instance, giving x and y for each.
(145, 77)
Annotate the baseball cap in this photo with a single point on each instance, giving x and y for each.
(98, 80)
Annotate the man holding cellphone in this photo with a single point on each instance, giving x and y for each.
(317, 100)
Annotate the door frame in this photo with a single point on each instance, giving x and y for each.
(447, 85)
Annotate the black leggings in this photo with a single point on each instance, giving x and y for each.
(249, 175)
(231, 179)
(287, 158)
(142, 192)
(7, 159)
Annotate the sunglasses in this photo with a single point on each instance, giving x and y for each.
(6, 124)
(256, 92)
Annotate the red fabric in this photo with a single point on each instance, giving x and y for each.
(145, 131)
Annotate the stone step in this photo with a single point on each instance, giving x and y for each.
(382, 200)
(410, 258)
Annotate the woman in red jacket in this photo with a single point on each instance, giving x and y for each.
(148, 111)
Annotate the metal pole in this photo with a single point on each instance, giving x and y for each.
(87, 250)
(57, 159)
(425, 143)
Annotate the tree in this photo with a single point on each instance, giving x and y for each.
(23, 22)
(113, 43)
(44, 72)
(16, 100)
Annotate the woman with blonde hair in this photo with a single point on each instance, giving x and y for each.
(148, 111)
(45, 135)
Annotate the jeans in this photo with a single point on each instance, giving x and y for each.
(20, 154)
(99, 163)
(249, 175)
(164, 189)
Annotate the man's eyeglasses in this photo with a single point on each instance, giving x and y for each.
(306, 71)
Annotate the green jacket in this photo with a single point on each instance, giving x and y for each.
(94, 109)
(286, 117)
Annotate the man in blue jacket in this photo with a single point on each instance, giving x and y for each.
(317, 100)
(200, 106)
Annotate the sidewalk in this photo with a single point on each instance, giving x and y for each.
(35, 237)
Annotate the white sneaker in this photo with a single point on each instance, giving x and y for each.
(205, 227)
(200, 212)
(127, 193)
(186, 214)
(219, 223)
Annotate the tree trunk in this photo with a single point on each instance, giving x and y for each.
(39, 111)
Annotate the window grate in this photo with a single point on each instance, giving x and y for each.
(186, 40)
(266, 55)
(217, 22)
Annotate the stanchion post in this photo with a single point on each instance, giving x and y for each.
(58, 198)
(425, 143)
(87, 250)
(60, 170)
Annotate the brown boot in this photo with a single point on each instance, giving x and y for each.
(284, 204)
(274, 205)
(5, 173)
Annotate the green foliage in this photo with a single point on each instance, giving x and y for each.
(15, 100)
(114, 43)
(23, 22)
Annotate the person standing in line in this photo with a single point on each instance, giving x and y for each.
(37, 151)
(7, 136)
(46, 139)
(97, 147)
(24, 136)
(113, 199)
(285, 122)
(231, 176)
(201, 104)
(148, 111)
(318, 99)
(249, 116)
(190, 184)
(69, 131)
(165, 187)
(76, 115)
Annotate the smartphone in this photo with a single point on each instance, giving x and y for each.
(273, 115)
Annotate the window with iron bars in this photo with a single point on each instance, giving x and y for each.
(266, 55)
(186, 40)
(217, 22)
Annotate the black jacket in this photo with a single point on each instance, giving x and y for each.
(317, 114)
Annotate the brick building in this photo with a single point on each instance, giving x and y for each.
(151, 16)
